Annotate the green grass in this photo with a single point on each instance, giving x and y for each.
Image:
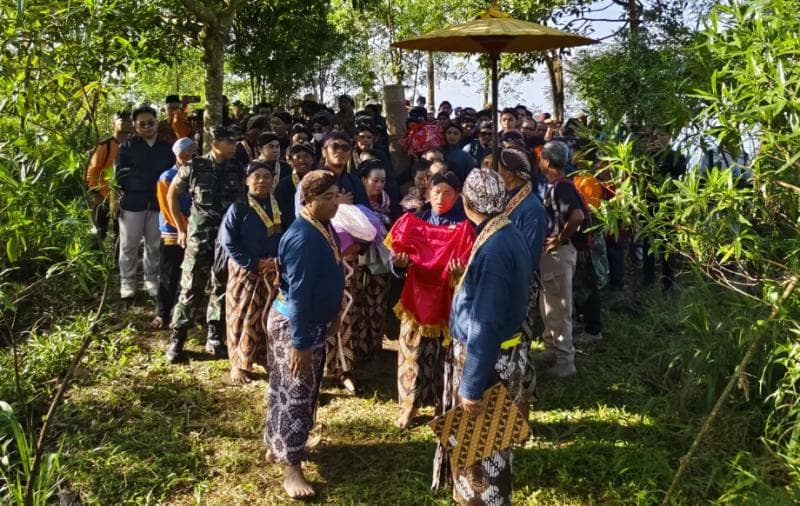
(138, 431)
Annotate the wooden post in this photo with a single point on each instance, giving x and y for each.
(394, 100)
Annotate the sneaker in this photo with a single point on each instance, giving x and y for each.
(563, 370)
(216, 348)
(152, 289)
(127, 292)
(175, 351)
(587, 338)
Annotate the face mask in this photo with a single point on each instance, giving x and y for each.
(318, 136)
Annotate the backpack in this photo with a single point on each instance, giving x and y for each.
(581, 239)
(107, 145)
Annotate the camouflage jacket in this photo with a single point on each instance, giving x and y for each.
(213, 186)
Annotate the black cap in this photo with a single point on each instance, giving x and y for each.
(126, 115)
(447, 177)
(222, 133)
(301, 146)
(283, 116)
(367, 165)
(265, 138)
(258, 164)
(172, 99)
(363, 127)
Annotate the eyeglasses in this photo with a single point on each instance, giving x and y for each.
(339, 146)
(145, 124)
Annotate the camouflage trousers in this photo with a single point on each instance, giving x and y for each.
(203, 260)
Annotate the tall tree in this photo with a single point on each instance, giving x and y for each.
(216, 21)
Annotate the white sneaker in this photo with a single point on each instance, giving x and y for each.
(562, 370)
(587, 338)
(152, 289)
(127, 292)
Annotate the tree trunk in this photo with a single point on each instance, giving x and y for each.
(633, 17)
(431, 83)
(216, 25)
(396, 114)
(214, 58)
(555, 69)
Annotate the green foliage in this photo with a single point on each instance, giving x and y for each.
(744, 236)
(272, 46)
(16, 459)
(636, 82)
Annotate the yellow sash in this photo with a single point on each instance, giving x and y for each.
(305, 214)
(273, 226)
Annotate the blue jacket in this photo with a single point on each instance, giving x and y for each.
(459, 161)
(530, 218)
(452, 217)
(245, 237)
(312, 283)
(490, 306)
(137, 169)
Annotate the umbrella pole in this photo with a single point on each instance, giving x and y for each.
(495, 139)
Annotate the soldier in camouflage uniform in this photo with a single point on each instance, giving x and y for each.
(214, 182)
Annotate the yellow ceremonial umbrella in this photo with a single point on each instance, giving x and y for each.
(494, 32)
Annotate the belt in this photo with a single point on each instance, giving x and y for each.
(511, 341)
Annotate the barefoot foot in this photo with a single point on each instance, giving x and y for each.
(295, 484)
(405, 418)
(157, 323)
(239, 376)
(269, 457)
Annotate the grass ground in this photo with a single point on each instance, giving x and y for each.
(139, 431)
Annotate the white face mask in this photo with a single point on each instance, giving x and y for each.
(318, 136)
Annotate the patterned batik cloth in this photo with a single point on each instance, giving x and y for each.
(341, 346)
(374, 291)
(291, 401)
(246, 300)
(489, 481)
(420, 367)
(525, 354)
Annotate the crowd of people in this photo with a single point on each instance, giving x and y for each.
(306, 240)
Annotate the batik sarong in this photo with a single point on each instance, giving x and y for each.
(374, 290)
(291, 401)
(420, 368)
(246, 299)
(489, 481)
(341, 345)
(526, 340)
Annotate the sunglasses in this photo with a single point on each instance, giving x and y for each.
(485, 133)
(146, 124)
(339, 146)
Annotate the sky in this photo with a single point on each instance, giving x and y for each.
(532, 91)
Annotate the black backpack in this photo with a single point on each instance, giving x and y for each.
(582, 238)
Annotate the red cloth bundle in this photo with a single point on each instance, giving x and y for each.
(427, 293)
(423, 136)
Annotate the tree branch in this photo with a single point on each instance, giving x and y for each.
(200, 10)
(737, 376)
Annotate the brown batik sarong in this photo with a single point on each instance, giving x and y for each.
(420, 367)
(291, 401)
(374, 290)
(246, 299)
(489, 481)
(340, 352)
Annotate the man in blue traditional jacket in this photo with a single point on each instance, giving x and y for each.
(488, 311)
(303, 315)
